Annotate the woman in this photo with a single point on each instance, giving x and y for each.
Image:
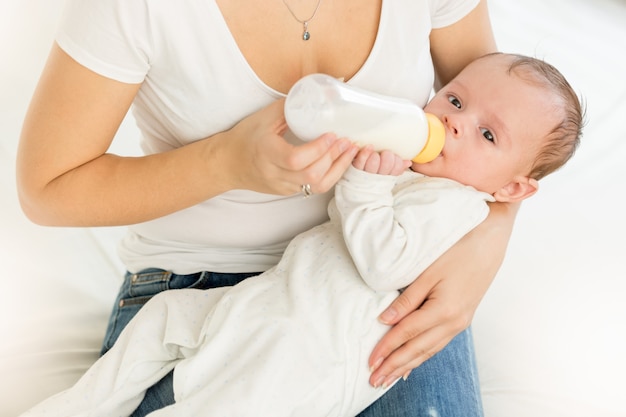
(219, 187)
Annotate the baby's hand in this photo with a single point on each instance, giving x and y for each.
(383, 163)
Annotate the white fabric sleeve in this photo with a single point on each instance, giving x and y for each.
(446, 12)
(110, 37)
(394, 238)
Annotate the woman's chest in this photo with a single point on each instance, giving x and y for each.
(283, 40)
(220, 66)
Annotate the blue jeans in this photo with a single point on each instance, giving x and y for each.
(444, 386)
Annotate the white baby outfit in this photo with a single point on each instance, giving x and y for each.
(295, 340)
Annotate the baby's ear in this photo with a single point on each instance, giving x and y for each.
(517, 190)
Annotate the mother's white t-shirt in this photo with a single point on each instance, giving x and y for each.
(196, 82)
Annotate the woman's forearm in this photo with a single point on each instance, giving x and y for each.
(481, 252)
(64, 175)
(114, 190)
(492, 236)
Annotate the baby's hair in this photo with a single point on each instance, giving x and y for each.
(564, 138)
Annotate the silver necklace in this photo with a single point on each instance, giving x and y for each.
(305, 23)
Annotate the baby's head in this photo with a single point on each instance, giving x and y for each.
(510, 120)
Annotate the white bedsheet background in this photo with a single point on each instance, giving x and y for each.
(551, 332)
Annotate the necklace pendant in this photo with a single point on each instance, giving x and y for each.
(305, 31)
(305, 23)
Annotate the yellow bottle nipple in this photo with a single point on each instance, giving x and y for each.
(434, 143)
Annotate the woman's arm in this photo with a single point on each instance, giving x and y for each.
(66, 177)
(441, 303)
(455, 46)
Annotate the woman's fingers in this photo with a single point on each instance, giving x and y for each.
(424, 320)
(407, 345)
(407, 302)
(405, 306)
(412, 326)
(269, 164)
(321, 162)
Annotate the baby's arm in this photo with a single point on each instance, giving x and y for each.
(394, 229)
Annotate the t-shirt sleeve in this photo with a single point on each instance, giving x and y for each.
(446, 12)
(110, 37)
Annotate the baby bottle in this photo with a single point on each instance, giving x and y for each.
(319, 103)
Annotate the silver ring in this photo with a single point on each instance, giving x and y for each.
(306, 190)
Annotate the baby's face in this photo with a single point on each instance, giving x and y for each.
(495, 123)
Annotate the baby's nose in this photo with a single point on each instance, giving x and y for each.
(453, 125)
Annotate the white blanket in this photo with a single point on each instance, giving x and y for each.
(550, 333)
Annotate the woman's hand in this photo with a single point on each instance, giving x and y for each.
(441, 303)
(265, 162)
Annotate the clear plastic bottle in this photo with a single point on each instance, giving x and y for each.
(319, 103)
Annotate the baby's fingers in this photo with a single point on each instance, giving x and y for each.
(392, 164)
(361, 158)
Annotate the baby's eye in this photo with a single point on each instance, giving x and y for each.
(487, 134)
(455, 101)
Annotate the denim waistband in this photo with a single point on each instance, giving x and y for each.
(168, 280)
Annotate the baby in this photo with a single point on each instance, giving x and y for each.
(295, 340)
